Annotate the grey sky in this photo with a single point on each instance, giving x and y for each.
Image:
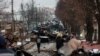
(41, 3)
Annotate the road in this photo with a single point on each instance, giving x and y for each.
(45, 48)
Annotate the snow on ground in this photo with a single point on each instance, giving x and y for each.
(44, 46)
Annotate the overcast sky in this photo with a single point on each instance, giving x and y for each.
(41, 3)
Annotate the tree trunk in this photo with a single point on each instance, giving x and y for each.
(99, 32)
(75, 29)
(98, 19)
(89, 29)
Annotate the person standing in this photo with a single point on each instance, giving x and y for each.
(38, 40)
(72, 45)
(59, 41)
(38, 43)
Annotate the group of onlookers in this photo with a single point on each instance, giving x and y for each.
(63, 41)
(66, 43)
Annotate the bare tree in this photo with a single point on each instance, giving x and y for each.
(34, 15)
(3, 14)
(3, 4)
(71, 13)
(76, 13)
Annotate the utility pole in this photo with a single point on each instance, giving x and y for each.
(22, 27)
(13, 21)
(32, 11)
(36, 17)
